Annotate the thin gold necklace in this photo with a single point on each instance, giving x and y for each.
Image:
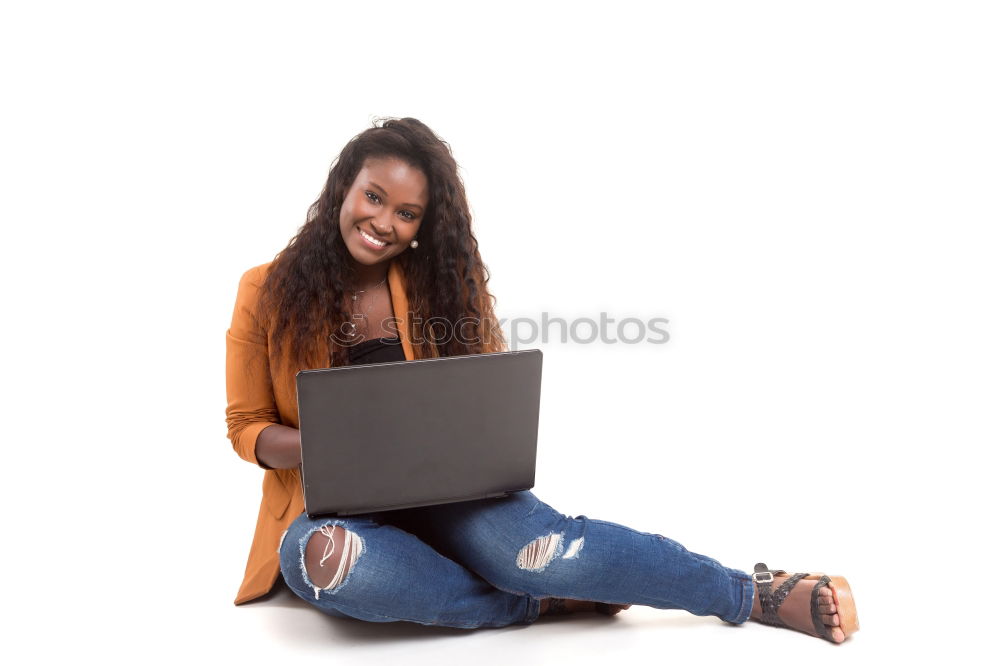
(353, 332)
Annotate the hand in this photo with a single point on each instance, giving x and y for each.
(279, 447)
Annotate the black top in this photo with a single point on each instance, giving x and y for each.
(376, 350)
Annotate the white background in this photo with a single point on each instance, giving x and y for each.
(807, 191)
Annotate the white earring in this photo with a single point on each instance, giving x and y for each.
(414, 243)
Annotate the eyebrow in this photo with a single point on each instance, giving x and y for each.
(384, 193)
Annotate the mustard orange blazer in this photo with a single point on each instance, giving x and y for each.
(257, 398)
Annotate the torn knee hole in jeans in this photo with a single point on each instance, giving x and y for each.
(539, 553)
(338, 560)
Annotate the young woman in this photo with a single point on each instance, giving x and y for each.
(386, 248)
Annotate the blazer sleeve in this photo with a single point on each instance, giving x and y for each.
(251, 406)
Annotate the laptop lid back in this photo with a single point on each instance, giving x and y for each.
(432, 431)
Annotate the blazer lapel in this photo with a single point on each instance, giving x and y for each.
(400, 307)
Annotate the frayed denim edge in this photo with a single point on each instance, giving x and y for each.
(302, 555)
(532, 613)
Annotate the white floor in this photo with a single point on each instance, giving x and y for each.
(192, 619)
(283, 627)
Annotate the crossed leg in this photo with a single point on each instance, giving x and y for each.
(360, 568)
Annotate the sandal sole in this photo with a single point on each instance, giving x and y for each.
(846, 609)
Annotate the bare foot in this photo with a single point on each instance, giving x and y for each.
(795, 611)
(556, 606)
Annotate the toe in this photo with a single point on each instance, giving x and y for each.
(831, 620)
(837, 635)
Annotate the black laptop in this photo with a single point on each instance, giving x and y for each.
(403, 434)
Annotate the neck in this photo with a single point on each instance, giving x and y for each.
(366, 277)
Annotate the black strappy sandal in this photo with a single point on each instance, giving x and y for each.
(771, 600)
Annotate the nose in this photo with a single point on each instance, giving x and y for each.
(383, 229)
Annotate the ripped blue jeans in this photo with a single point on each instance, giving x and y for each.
(488, 563)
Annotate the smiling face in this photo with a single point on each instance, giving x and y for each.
(382, 211)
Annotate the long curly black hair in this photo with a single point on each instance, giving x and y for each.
(302, 300)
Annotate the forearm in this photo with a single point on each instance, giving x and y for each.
(279, 447)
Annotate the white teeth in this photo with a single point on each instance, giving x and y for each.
(373, 240)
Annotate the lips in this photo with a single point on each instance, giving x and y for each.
(371, 242)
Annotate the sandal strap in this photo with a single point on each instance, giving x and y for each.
(557, 606)
(821, 629)
(761, 570)
(771, 600)
(762, 578)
